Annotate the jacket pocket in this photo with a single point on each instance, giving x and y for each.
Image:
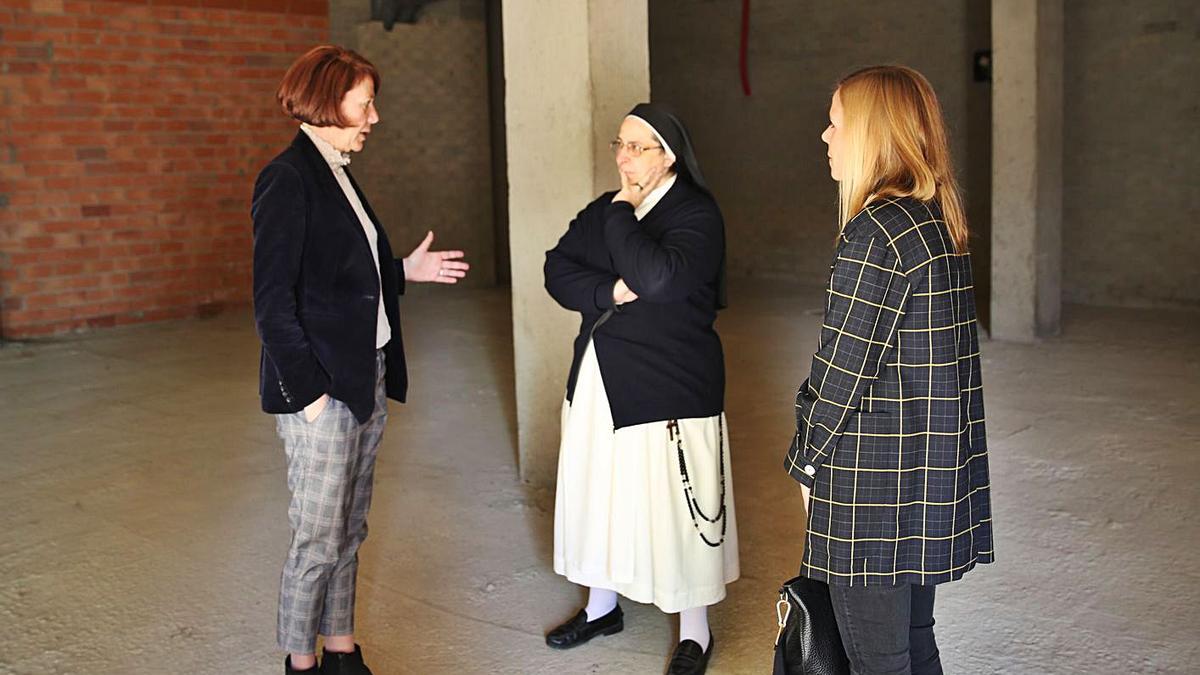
(878, 402)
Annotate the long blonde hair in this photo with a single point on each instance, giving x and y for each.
(895, 145)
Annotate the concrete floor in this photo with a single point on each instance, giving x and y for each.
(145, 500)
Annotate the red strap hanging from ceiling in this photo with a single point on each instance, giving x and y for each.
(742, 65)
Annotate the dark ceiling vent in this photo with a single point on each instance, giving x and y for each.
(391, 12)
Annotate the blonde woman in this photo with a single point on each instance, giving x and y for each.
(890, 450)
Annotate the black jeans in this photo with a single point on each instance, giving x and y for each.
(887, 630)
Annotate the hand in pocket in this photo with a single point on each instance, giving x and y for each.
(313, 410)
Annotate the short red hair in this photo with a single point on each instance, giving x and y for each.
(314, 86)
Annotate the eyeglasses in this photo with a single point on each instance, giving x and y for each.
(634, 149)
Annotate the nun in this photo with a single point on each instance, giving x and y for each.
(644, 503)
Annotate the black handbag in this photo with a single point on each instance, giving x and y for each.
(808, 642)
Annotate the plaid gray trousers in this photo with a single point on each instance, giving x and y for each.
(330, 471)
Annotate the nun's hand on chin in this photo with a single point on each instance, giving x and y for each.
(629, 193)
(635, 191)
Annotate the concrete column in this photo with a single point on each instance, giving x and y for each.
(1027, 148)
(619, 49)
(571, 70)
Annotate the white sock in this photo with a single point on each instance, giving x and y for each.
(601, 601)
(693, 625)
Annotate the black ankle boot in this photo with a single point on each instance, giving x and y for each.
(289, 670)
(338, 663)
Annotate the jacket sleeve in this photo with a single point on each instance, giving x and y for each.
(400, 280)
(570, 280)
(279, 214)
(867, 297)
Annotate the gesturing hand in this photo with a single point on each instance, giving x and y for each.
(622, 293)
(443, 267)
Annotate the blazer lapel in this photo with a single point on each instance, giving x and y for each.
(390, 271)
(333, 191)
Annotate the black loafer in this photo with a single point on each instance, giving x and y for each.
(689, 659)
(340, 663)
(579, 630)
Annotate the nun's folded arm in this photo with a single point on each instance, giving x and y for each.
(570, 280)
(687, 256)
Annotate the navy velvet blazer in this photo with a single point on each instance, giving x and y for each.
(316, 292)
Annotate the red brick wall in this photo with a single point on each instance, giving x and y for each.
(130, 136)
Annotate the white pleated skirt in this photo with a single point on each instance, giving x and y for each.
(624, 518)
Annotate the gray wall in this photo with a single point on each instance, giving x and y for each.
(763, 154)
(1131, 137)
(1132, 161)
(1132, 145)
(428, 164)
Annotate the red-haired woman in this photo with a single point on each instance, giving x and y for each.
(326, 303)
(889, 425)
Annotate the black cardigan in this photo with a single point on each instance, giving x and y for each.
(660, 357)
(316, 293)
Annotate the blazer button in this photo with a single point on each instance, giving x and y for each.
(810, 470)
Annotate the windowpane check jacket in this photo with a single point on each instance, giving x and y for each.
(889, 425)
